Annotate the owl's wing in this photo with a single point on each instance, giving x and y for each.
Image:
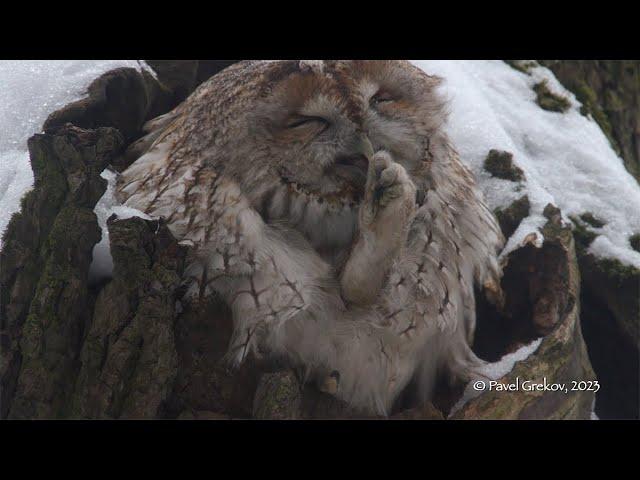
(457, 233)
(452, 246)
(265, 274)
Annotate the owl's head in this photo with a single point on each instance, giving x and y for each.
(316, 123)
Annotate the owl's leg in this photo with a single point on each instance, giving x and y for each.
(384, 219)
(288, 311)
(347, 354)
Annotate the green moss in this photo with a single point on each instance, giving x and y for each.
(32, 335)
(589, 218)
(277, 396)
(549, 100)
(166, 276)
(582, 235)
(550, 211)
(500, 164)
(616, 271)
(611, 268)
(585, 94)
(510, 217)
(591, 107)
(634, 240)
(612, 101)
(15, 218)
(554, 231)
(582, 232)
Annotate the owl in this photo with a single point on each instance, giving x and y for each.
(323, 201)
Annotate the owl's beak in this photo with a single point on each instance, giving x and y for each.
(364, 147)
(358, 154)
(353, 164)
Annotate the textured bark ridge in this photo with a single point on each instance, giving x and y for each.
(610, 92)
(44, 269)
(543, 288)
(131, 348)
(278, 397)
(128, 357)
(122, 98)
(611, 317)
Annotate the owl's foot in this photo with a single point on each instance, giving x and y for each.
(329, 384)
(390, 194)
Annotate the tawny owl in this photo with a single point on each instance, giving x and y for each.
(325, 204)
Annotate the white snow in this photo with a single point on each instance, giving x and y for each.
(102, 265)
(566, 158)
(495, 371)
(505, 364)
(29, 91)
(16, 178)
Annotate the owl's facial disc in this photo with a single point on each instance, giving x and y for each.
(313, 121)
(329, 154)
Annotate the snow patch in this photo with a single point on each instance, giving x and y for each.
(101, 267)
(16, 178)
(566, 158)
(31, 90)
(495, 371)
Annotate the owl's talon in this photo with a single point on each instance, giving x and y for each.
(389, 175)
(330, 383)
